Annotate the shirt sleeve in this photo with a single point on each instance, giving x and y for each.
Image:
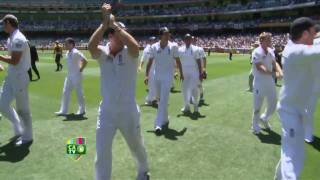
(175, 52)
(152, 52)
(81, 56)
(18, 45)
(256, 58)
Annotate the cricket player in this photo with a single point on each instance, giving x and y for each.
(58, 55)
(298, 59)
(118, 110)
(192, 73)
(263, 84)
(151, 97)
(15, 86)
(308, 123)
(164, 55)
(76, 63)
(34, 59)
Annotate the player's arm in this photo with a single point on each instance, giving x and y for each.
(83, 64)
(278, 69)
(126, 39)
(97, 36)
(179, 66)
(14, 59)
(262, 68)
(93, 45)
(148, 70)
(199, 69)
(17, 48)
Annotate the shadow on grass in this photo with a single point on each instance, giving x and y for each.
(270, 138)
(203, 103)
(174, 91)
(316, 143)
(170, 134)
(192, 116)
(12, 153)
(74, 117)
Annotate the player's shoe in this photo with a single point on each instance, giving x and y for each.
(80, 113)
(148, 103)
(255, 128)
(165, 125)
(60, 113)
(143, 176)
(309, 139)
(185, 110)
(158, 131)
(266, 124)
(21, 142)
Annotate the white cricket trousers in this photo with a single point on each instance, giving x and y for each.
(151, 86)
(190, 87)
(71, 83)
(126, 118)
(163, 86)
(292, 146)
(261, 91)
(15, 87)
(308, 123)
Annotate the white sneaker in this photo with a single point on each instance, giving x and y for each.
(185, 109)
(255, 131)
(266, 124)
(60, 113)
(81, 113)
(148, 103)
(309, 139)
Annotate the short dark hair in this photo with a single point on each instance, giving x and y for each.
(298, 26)
(70, 41)
(11, 19)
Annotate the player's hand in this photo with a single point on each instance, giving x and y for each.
(146, 80)
(1, 68)
(175, 75)
(204, 74)
(279, 75)
(106, 14)
(181, 77)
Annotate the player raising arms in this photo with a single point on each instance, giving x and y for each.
(118, 62)
(263, 60)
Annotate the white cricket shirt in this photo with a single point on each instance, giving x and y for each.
(266, 58)
(118, 76)
(74, 57)
(298, 77)
(189, 57)
(18, 42)
(164, 60)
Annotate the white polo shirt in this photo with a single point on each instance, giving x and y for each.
(298, 78)
(316, 70)
(118, 76)
(18, 42)
(74, 57)
(266, 58)
(189, 57)
(164, 60)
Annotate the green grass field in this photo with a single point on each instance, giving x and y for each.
(218, 145)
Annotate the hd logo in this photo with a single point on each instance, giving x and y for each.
(76, 147)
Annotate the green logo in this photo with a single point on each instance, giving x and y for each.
(76, 147)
